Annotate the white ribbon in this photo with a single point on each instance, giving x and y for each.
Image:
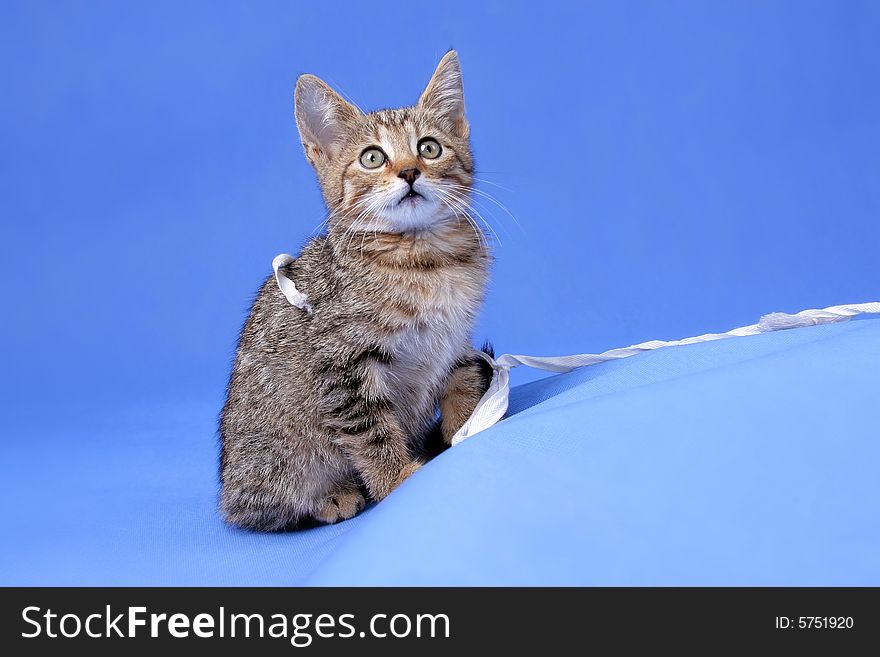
(287, 286)
(493, 404)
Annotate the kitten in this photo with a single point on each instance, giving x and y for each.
(327, 404)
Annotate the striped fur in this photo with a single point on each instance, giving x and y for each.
(327, 409)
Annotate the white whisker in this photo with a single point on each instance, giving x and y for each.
(467, 207)
(490, 197)
(460, 209)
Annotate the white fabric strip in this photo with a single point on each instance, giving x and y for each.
(287, 286)
(493, 405)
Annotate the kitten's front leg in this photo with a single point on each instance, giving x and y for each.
(367, 430)
(466, 385)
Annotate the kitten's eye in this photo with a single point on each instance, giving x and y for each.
(372, 158)
(430, 148)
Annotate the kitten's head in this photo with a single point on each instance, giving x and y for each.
(391, 171)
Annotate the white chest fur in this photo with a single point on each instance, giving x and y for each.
(425, 349)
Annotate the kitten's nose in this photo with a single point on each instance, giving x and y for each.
(409, 175)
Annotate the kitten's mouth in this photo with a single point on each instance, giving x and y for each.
(410, 196)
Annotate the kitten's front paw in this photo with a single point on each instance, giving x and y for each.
(406, 471)
(341, 505)
(380, 487)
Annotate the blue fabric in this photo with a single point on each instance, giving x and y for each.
(747, 461)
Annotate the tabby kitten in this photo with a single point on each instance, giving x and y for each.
(337, 400)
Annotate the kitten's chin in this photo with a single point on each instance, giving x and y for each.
(413, 214)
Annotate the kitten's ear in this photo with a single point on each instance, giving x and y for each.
(323, 117)
(444, 95)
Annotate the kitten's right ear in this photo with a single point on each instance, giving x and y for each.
(323, 117)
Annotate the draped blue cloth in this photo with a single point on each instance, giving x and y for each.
(751, 461)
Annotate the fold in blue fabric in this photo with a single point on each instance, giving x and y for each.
(751, 461)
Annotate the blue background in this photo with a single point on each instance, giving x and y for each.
(674, 168)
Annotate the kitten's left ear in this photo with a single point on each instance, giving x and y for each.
(444, 96)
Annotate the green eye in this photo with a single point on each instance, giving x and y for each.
(430, 148)
(372, 158)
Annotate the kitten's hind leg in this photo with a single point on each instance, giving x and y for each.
(361, 415)
(342, 504)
